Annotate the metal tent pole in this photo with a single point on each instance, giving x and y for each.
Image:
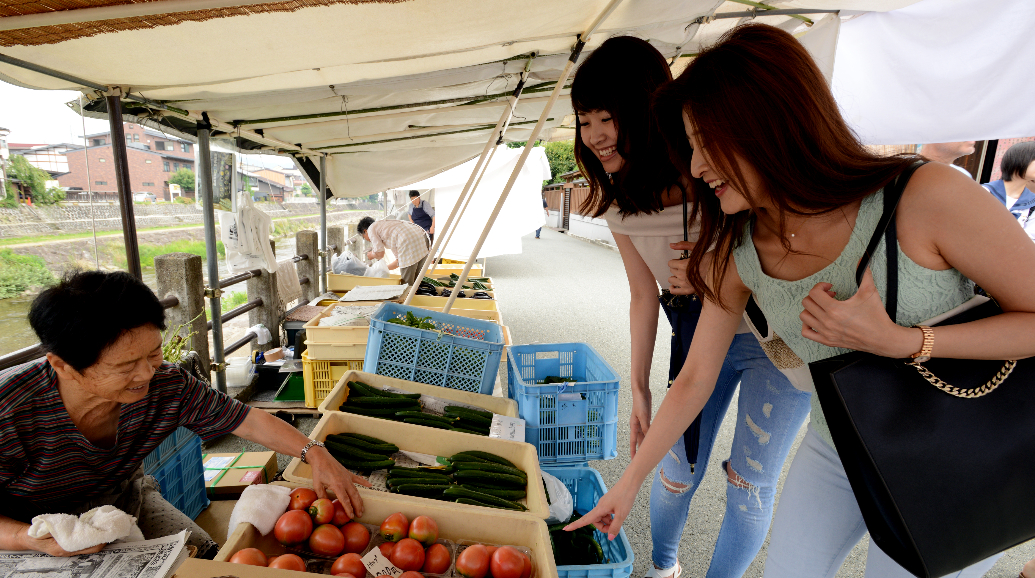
(323, 223)
(468, 190)
(118, 149)
(204, 188)
(572, 59)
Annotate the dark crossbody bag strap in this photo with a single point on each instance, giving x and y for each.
(886, 228)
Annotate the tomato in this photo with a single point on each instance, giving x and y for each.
(288, 562)
(527, 572)
(507, 562)
(293, 527)
(386, 549)
(250, 556)
(346, 575)
(350, 563)
(473, 562)
(408, 554)
(322, 511)
(356, 537)
(436, 559)
(490, 550)
(411, 574)
(340, 517)
(301, 499)
(327, 540)
(424, 530)
(394, 528)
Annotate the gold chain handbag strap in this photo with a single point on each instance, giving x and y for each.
(985, 389)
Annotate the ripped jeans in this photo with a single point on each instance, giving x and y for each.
(770, 412)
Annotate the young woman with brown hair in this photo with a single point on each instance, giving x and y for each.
(636, 188)
(789, 199)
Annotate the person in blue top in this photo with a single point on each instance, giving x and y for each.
(1014, 190)
(422, 214)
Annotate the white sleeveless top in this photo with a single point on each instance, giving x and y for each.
(651, 234)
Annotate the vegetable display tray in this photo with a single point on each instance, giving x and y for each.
(336, 397)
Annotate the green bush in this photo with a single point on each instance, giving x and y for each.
(148, 251)
(19, 273)
(184, 200)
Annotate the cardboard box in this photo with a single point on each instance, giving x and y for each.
(227, 475)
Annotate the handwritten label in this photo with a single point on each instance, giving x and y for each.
(220, 462)
(211, 475)
(507, 428)
(378, 565)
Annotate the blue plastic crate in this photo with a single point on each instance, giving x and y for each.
(569, 423)
(166, 449)
(587, 487)
(465, 355)
(182, 479)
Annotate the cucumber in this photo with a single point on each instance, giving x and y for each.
(425, 416)
(498, 492)
(383, 413)
(469, 431)
(458, 410)
(402, 472)
(458, 458)
(422, 490)
(366, 438)
(462, 492)
(352, 453)
(394, 481)
(365, 466)
(489, 478)
(501, 469)
(475, 425)
(379, 402)
(355, 391)
(371, 390)
(487, 457)
(379, 447)
(426, 423)
(470, 502)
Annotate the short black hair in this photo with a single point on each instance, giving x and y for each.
(1017, 160)
(364, 224)
(88, 311)
(414, 194)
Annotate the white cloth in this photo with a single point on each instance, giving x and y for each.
(406, 240)
(260, 505)
(936, 71)
(287, 281)
(97, 526)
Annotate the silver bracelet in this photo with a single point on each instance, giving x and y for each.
(308, 446)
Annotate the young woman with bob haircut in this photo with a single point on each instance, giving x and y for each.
(636, 188)
(788, 199)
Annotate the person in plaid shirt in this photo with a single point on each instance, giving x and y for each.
(407, 241)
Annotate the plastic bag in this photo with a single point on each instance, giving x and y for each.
(348, 263)
(561, 503)
(246, 237)
(378, 269)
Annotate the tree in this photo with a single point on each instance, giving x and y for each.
(306, 190)
(34, 178)
(183, 177)
(561, 156)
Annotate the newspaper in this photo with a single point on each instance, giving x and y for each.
(374, 292)
(147, 559)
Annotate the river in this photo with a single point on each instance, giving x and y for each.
(15, 332)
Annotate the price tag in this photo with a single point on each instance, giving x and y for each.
(378, 565)
(220, 462)
(507, 428)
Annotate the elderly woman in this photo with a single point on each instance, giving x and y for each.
(75, 427)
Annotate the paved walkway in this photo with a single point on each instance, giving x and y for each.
(562, 289)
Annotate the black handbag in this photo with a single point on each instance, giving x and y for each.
(943, 474)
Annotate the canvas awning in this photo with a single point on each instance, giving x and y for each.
(392, 91)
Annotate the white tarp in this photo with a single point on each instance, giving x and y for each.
(938, 71)
(521, 214)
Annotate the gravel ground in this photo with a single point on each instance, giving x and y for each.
(561, 290)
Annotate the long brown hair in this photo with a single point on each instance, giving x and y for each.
(758, 95)
(620, 77)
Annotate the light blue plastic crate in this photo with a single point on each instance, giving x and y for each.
(569, 423)
(587, 487)
(166, 449)
(463, 354)
(182, 479)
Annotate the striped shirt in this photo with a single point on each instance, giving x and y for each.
(48, 466)
(409, 242)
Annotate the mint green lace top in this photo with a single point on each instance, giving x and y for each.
(922, 293)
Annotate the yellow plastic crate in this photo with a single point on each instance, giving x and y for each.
(344, 282)
(320, 376)
(428, 301)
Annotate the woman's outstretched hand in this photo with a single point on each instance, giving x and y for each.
(611, 511)
(859, 323)
(678, 282)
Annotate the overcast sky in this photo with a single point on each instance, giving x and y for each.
(41, 117)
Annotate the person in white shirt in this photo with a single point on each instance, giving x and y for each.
(409, 243)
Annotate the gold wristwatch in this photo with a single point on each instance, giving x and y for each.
(925, 351)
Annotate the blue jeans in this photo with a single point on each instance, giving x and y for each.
(770, 412)
(819, 522)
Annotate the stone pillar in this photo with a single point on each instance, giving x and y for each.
(179, 275)
(306, 244)
(271, 312)
(336, 236)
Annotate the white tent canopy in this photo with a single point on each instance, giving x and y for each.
(522, 212)
(392, 91)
